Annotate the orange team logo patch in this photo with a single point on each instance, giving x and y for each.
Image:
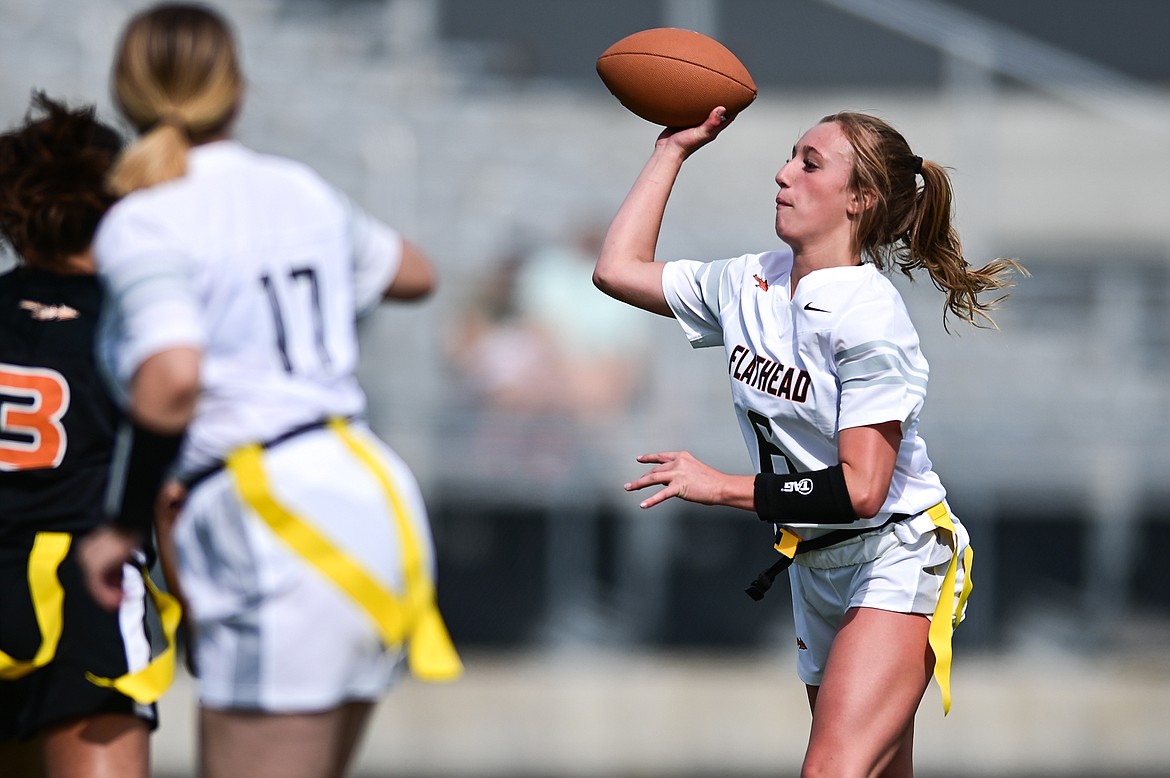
(801, 645)
(760, 282)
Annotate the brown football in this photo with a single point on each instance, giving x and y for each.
(675, 77)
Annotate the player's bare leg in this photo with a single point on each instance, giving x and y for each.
(863, 713)
(354, 717)
(265, 745)
(902, 763)
(112, 745)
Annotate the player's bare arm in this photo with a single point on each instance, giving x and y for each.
(868, 455)
(684, 476)
(167, 505)
(626, 269)
(415, 278)
(165, 389)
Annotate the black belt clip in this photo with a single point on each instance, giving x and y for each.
(759, 587)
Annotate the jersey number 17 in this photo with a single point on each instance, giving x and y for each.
(306, 279)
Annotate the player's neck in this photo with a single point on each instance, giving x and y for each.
(806, 261)
(80, 264)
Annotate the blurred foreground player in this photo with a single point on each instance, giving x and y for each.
(58, 428)
(303, 546)
(828, 382)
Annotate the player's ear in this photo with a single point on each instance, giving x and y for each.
(861, 200)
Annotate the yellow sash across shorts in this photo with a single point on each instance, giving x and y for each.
(49, 549)
(144, 686)
(412, 617)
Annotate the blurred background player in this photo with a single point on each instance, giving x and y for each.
(303, 546)
(828, 381)
(58, 427)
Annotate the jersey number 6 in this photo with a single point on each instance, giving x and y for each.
(763, 427)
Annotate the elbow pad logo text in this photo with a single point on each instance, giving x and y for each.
(802, 487)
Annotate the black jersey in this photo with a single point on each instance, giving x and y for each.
(57, 419)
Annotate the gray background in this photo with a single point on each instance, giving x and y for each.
(606, 641)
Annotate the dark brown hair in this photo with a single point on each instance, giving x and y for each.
(908, 226)
(53, 188)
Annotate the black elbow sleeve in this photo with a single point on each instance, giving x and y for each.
(816, 497)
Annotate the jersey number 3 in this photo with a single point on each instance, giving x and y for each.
(32, 402)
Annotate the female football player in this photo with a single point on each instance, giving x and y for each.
(58, 429)
(828, 381)
(304, 552)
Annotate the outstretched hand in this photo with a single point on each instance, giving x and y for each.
(682, 475)
(691, 139)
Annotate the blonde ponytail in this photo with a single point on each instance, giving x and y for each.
(159, 155)
(177, 79)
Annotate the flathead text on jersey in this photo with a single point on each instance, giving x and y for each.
(768, 375)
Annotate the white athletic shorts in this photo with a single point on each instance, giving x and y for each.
(271, 632)
(899, 568)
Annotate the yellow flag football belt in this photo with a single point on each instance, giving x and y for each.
(148, 684)
(411, 618)
(49, 548)
(144, 686)
(947, 613)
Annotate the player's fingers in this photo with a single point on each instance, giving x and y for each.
(660, 458)
(653, 478)
(106, 588)
(659, 496)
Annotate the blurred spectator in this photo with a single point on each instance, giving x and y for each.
(547, 364)
(600, 346)
(502, 360)
(537, 336)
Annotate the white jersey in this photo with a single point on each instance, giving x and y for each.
(264, 267)
(842, 353)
